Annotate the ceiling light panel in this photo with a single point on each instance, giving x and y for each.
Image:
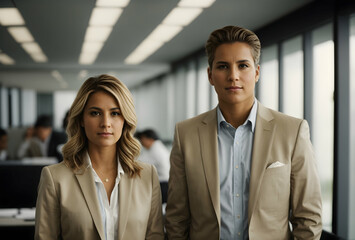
(112, 3)
(97, 34)
(20, 34)
(144, 50)
(104, 16)
(10, 17)
(182, 16)
(31, 47)
(92, 47)
(196, 3)
(39, 57)
(164, 32)
(87, 58)
(6, 60)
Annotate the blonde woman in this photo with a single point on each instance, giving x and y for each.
(99, 191)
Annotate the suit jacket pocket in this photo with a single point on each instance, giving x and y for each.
(275, 190)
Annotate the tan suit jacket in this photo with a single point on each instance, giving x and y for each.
(68, 208)
(276, 195)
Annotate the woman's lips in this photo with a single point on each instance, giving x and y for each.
(105, 134)
(234, 88)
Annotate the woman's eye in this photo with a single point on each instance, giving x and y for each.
(222, 66)
(94, 113)
(243, 65)
(116, 113)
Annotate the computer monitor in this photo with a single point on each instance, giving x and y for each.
(19, 182)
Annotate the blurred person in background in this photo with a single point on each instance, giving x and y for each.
(41, 140)
(100, 190)
(3, 145)
(158, 155)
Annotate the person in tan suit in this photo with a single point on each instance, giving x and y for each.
(100, 191)
(241, 170)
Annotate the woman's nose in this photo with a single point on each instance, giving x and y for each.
(105, 121)
(233, 74)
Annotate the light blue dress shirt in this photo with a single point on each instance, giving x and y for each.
(234, 153)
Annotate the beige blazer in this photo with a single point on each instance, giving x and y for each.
(290, 193)
(68, 208)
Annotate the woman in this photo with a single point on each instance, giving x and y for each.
(99, 191)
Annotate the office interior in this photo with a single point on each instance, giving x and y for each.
(307, 71)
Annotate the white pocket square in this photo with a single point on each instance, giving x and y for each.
(275, 165)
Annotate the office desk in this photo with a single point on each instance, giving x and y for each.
(13, 228)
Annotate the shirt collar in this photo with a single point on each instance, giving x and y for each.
(96, 177)
(251, 118)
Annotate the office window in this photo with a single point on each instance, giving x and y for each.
(292, 77)
(268, 85)
(352, 122)
(180, 94)
(214, 98)
(14, 107)
(203, 86)
(323, 115)
(62, 103)
(4, 107)
(191, 89)
(28, 107)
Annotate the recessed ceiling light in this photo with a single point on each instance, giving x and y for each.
(6, 60)
(10, 16)
(182, 16)
(104, 16)
(97, 34)
(112, 3)
(144, 50)
(20, 34)
(164, 32)
(39, 57)
(196, 3)
(31, 47)
(83, 74)
(92, 47)
(87, 58)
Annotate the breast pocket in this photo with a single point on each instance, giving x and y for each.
(275, 189)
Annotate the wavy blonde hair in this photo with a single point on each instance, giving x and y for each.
(128, 147)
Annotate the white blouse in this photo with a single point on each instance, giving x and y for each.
(108, 209)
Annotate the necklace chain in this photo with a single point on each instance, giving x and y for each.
(105, 178)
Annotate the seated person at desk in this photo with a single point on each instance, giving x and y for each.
(158, 155)
(42, 141)
(3, 145)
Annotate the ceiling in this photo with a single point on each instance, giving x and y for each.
(59, 27)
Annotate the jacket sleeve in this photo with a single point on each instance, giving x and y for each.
(178, 209)
(155, 228)
(47, 208)
(306, 203)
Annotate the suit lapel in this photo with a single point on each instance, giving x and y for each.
(125, 191)
(87, 185)
(208, 141)
(263, 140)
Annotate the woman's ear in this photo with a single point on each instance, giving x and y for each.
(209, 75)
(257, 73)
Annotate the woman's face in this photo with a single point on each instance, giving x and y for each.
(234, 74)
(102, 120)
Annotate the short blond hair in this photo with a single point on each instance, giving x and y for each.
(231, 34)
(128, 147)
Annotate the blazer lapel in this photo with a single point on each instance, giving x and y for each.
(208, 141)
(263, 140)
(87, 185)
(125, 191)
